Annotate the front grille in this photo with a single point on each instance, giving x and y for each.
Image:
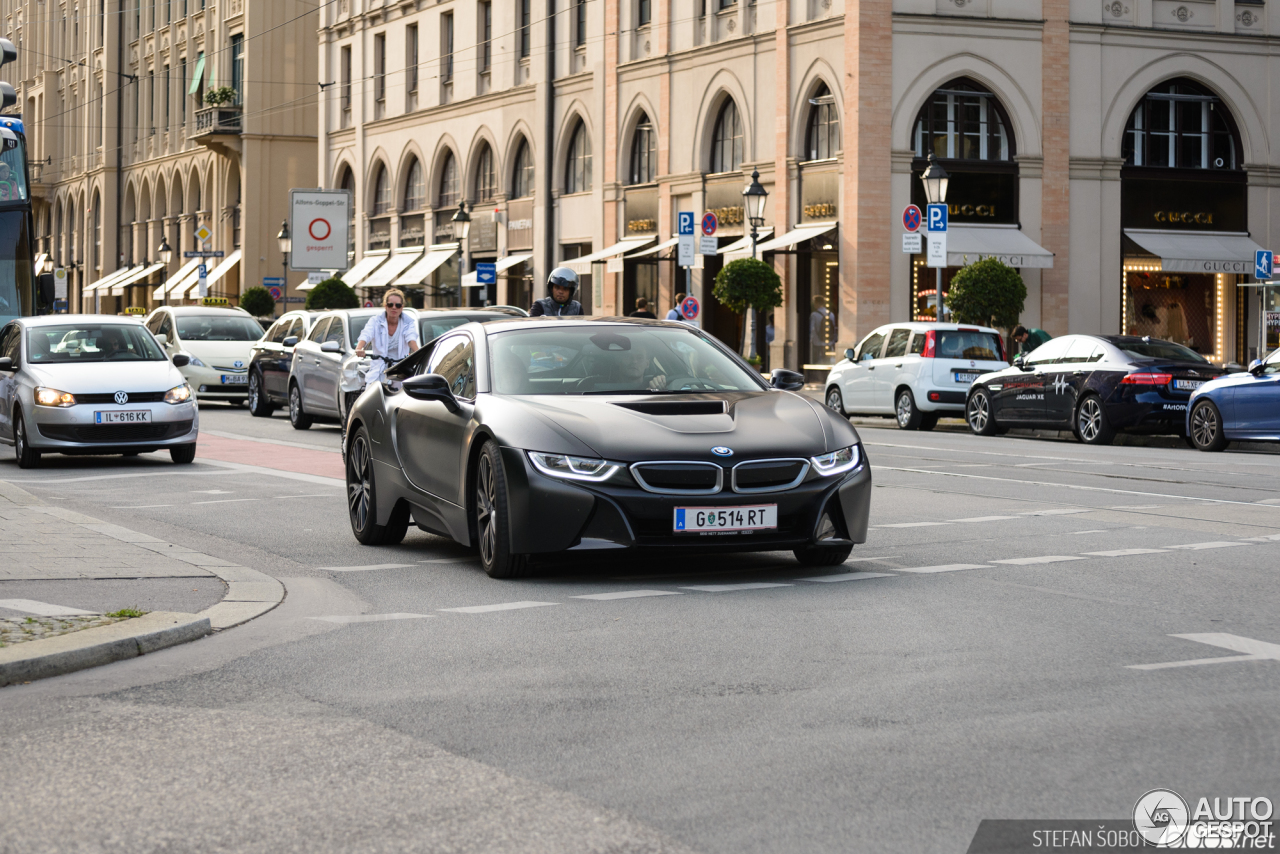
(679, 478)
(103, 434)
(134, 397)
(229, 370)
(768, 475)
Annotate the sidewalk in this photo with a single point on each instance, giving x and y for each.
(75, 584)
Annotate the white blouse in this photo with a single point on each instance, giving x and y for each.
(381, 342)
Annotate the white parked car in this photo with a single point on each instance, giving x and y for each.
(914, 372)
(219, 342)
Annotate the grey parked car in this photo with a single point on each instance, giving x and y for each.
(92, 384)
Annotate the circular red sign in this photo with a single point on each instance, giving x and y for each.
(689, 308)
(911, 218)
(327, 229)
(709, 223)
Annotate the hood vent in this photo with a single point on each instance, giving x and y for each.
(676, 407)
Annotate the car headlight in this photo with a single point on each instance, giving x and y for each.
(178, 394)
(53, 397)
(196, 363)
(838, 461)
(573, 468)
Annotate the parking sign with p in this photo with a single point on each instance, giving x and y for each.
(936, 218)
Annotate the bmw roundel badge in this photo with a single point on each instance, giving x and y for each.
(722, 451)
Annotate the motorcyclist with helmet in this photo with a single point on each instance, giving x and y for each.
(562, 284)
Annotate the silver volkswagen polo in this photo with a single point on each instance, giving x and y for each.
(91, 384)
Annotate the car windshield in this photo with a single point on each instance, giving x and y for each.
(613, 360)
(218, 327)
(959, 344)
(1154, 348)
(431, 328)
(92, 343)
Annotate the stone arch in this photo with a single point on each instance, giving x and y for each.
(144, 201)
(577, 112)
(482, 137)
(722, 86)
(379, 160)
(640, 105)
(445, 148)
(819, 73)
(411, 152)
(506, 179)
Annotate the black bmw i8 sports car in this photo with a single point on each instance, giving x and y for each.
(528, 437)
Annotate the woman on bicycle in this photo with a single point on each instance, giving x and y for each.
(388, 334)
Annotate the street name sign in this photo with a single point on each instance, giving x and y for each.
(318, 228)
(486, 274)
(215, 253)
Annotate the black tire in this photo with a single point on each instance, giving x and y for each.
(1191, 443)
(817, 555)
(1091, 424)
(1206, 427)
(493, 528)
(928, 420)
(260, 405)
(835, 400)
(298, 416)
(362, 499)
(905, 411)
(978, 413)
(27, 457)
(183, 454)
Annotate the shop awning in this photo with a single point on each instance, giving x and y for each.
(399, 261)
(186, 269)
(654, 250)
(366, 265)
(106, 281)
(182, 282)
(1197, 251)
(742, 248)
(436, 255)
(969, 243)
(469, 280)
(582, 266)
(794, 236)
(215, 275)
(139, 273)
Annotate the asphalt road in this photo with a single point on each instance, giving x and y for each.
(975, 659)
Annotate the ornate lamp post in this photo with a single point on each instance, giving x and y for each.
(935, 180)
(165, 254)
(285, 241)
(461, 231)
(753, 198)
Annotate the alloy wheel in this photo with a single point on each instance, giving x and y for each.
(905, 409)
(486, 516)
(979, 412)
(1204, 426)
(834, 400)
(20, 439)
(1089, 421)
(359, 483)
(253, 392)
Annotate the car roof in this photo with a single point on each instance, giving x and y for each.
(196, 310)
(505, 323)
(925, 326)
(61, 319)
(503, 310)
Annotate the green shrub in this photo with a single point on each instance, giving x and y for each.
(332, 293)
(258, 302)
(219, 95)
(748, 283)
(987, 292)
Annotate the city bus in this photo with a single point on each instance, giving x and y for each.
(19, 294)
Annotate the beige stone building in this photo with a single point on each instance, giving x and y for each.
(125, 149)
(1117, 152)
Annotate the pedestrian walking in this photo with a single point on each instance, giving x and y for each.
(675, 313)
(642, 310)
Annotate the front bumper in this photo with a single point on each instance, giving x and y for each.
(73, 430)
(207, 383)
(553, 515)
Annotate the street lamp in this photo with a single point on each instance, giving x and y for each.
(935, 180)
(461, 229)
(286, 246)
(753, 198)
(165, 254)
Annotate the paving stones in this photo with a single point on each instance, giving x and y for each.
(15, 630)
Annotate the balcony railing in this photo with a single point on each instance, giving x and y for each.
(218, 120)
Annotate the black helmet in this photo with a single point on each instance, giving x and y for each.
(563, 277)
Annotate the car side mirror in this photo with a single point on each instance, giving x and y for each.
(848, 354)
(6, 363)
(291, 341)
(331, 347)
(162, 339)
(181, 360)
(1020, 362)
(431, 387)
(786, 380)
(1256, 366)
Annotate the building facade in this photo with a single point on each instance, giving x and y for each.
(126, 150)
(1117, 152)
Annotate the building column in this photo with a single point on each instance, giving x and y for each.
(868, 114)
(609, 289)
(1055, 211)
(662, 124)
(783, 317)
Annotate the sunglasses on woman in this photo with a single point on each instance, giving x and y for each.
(395, 305)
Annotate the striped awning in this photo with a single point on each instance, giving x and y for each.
(183, 271)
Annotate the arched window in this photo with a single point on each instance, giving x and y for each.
(486, 176)
(1181, 125)
(381, 193)
(415, 189)
(522, 172)
(963, 121)
(577, 173)
(726, 140)
(348, 183)
(822, 136)
(448, 195)
(644, 152)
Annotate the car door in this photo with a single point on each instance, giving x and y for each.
(306, 356)
(859, 380)
(1021, 394)
(431, 440)
(10, 341)
(890, 370)
(1066, 378)
(266, 352)
(1257, 401)
(328, 370)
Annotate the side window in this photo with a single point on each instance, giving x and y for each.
(166, 326)
(276, 333)
(317, 331)
(1081, 350)
(335, 331)
(154, 323)
(1049, 352)
(299, 328)
(10, 341)
(897, 343)
(455, 360)
(870, 347)
(917, 344)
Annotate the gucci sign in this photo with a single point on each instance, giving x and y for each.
(1200, 218)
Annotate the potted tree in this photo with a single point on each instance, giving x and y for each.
(749, 283)
(987, 292)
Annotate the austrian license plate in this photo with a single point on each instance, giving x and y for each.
(1187, 385)
(966, 376)
(235, 379)
(756, 517)
(127, 416)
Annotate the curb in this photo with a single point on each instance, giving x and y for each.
(250, 594)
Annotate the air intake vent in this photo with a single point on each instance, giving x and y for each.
(676, 407)
(768, 475)
(679, 478)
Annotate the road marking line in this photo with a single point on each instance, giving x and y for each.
(310, 495)
(627, 594)
(49, 481)
(1124, 552)
(1026, 561)
(1135, 507)
(911, 525)
(729, 588)
(849, 576)
(983, 519)
(214, 491)
(1215, 545)
(373, 618)
(946, 567)
(41, 609)
(137, 506)
(264, 441)
(1063, 511)
(225, 501)
(369, 568)
(1253, 650)
(451, 560)
(505, 606)
(1090, 531)
(1266, 538)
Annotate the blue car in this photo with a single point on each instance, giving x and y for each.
(1243, 406)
